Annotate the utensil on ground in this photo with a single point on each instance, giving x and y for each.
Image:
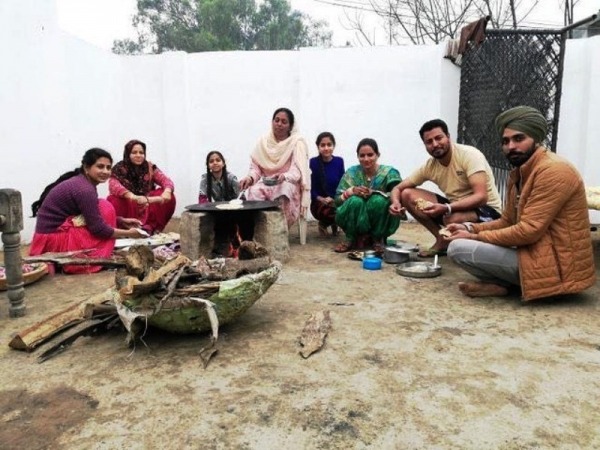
(395, 255)
(356, 255)
(371, 263)
(418, 269)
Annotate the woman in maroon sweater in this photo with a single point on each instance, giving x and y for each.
(70, 216)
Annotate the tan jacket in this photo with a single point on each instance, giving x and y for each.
(547, 220)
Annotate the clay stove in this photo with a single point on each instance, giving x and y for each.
(196, 228)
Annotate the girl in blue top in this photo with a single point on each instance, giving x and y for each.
(326, 173)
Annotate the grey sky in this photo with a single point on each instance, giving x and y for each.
(102, 21)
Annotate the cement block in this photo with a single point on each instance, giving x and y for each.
(270, 229)
(196, 234)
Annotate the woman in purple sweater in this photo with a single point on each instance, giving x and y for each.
(326, 172)
(70, 216)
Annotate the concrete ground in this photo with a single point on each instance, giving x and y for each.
(409, 363)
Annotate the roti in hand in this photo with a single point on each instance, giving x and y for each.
(445, 232)
(422, 204)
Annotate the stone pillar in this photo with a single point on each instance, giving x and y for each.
(11, 223)
(270, 230)
(196, 234)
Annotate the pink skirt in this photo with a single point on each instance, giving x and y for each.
(70, 237)
(287, 194)
(154, 217)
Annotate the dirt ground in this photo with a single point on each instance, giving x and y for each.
(408, 364)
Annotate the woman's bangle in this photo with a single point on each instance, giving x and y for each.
(449, 208)
(147, 199)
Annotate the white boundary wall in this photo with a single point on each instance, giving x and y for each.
(579, 126)
(60, 96)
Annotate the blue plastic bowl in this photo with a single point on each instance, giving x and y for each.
(371, 263)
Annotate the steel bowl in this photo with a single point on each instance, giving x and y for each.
(396, 255)
(269, 181)
(418, 269)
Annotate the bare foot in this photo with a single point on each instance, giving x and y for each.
(475, 289)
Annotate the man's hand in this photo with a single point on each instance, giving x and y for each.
(396, 209)
(454, 227)
(459, 231)
(435, 210)
(461, 234)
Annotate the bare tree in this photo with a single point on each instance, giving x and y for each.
(434, 21)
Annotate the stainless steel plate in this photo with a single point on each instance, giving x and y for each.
(418, 269)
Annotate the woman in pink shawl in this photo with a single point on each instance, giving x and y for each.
(279, 168)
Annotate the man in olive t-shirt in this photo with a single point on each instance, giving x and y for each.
(464, 176)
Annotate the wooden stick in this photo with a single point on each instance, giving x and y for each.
(83, 261)
(42, 331)
(86, 328)
(170, 288)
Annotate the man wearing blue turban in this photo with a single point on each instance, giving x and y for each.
(541, 243)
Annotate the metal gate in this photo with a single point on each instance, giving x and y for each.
(509, 68)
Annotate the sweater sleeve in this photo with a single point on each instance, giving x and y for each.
(314, 178)
(162, 180)
(203, 190)
(87, 202)
(255, 171)
(551, 189)
(234, 184)
(116, 188)
(345, 182)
